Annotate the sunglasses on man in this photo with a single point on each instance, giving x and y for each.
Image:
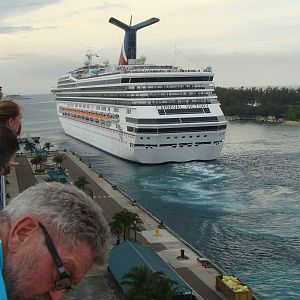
(64, 282)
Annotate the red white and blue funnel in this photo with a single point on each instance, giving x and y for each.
(128, 50)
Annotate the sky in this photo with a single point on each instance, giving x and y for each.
(246, 42)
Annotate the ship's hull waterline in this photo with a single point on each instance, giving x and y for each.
(118, 144)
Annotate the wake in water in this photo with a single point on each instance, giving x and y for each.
(242, 211)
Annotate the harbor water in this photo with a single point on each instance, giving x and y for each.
(242, 210)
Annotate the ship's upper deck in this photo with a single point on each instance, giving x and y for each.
(92, 71)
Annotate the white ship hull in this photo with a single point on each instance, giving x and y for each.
(141, 112)
(119, 144)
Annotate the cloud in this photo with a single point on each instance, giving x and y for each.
(14, 56)
(13, 7)
(15, 29)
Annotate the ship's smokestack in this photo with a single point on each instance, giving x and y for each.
(128, 50)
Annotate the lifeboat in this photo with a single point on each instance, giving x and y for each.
(101, 116)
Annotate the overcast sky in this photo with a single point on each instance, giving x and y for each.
(246, 42)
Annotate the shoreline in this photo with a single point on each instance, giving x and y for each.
(291, 123)
(198, 271)
(204, 274)
(287, 122)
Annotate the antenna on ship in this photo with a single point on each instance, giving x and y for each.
(89, 57)
(128, 50)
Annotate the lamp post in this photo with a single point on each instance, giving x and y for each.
(134, 228)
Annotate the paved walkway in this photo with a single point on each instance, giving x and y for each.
(101, 197)
(167, 244)
(25, 177)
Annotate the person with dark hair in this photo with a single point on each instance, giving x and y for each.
(8, 146)
(50, 236)
(11, 116)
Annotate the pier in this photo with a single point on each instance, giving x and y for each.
(196, 270)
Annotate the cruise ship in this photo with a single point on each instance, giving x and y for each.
(141, 112)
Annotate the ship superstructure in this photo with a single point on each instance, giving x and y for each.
(141, 112)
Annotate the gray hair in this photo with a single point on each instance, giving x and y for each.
(67, 212)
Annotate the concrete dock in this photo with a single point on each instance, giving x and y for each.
(197, 270)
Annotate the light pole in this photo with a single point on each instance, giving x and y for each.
(134, 228)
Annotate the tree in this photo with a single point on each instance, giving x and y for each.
(29, 146)
(253, 102)
(47, 146)
(144, 284)
(125, 220)
(81, 182)
(37, 161)
(116, 229)
(58, 159)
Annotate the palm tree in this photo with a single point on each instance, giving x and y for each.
(125, 220)
(163, 288)
(116, 229)
(144, 284)
(37, 161)
(58, 159)
(81, 182)
(47, 146)
(139, 281)
(29, 146)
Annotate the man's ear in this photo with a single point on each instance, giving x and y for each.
(26, 228)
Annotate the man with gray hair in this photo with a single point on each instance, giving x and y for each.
(51, 236)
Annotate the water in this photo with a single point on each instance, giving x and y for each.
(242, 211)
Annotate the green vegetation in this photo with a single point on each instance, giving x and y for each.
(81, 182)
(29, 146)
(37, 161)
(247, 102)
(123, 221)
(58, 159)
(144, 284)
(47, 146)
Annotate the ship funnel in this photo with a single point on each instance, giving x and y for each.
(128, 50)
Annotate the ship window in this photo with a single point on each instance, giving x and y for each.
(168, 137)
(168, 79)
(103, 108)
(116, 109)
(190, 136)
(148, 138)
(183, 136)
(205, 135)
(198, 135)
(202, 143)
(128, 111)
(97, 107)
(175, 137)
(141, 138)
